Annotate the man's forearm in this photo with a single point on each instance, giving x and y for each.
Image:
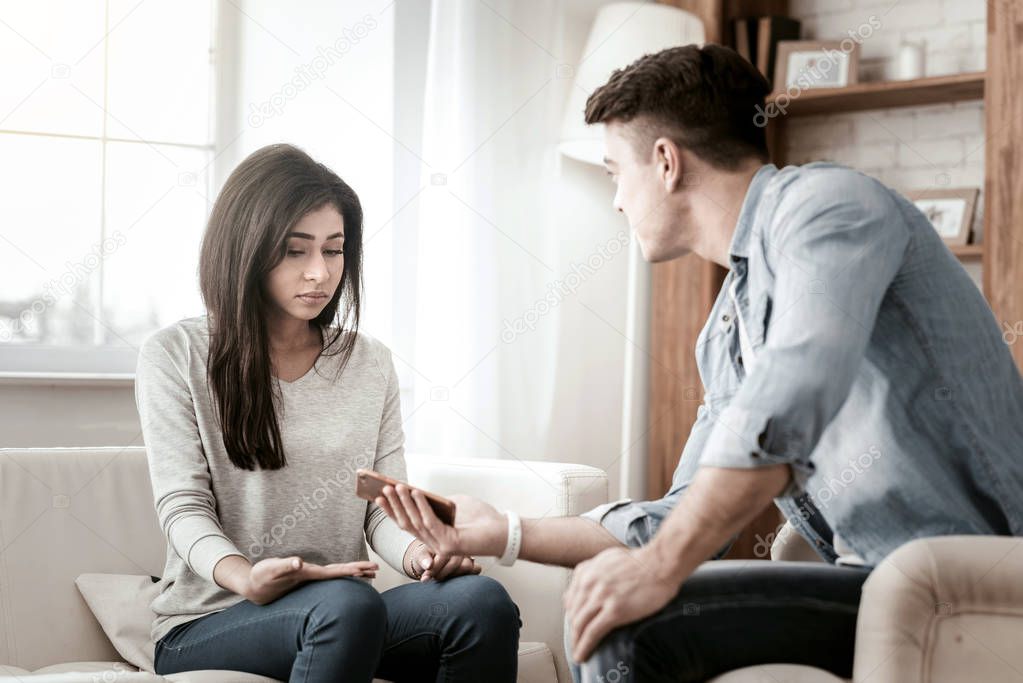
(718, 504)
(564, 541)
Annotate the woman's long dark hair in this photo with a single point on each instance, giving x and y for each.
(246, 237)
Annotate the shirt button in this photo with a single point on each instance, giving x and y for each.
(725, 318)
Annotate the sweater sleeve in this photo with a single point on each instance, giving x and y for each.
(178, 469)
(383, 535)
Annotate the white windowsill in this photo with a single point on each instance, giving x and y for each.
(67, 379)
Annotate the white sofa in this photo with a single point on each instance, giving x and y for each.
(938, 610)
(71, 511)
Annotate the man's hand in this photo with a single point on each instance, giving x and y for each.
(617, 587)
(479, 529)
(432, 565)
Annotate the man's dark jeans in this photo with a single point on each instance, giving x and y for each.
(735, 613)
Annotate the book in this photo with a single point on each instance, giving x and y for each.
(745, 34)
(771, 30)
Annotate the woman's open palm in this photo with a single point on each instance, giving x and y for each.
(273, 577)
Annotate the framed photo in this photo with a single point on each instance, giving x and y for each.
(807, 64)
(950, 211)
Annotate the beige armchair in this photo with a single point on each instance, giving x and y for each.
(937, 610)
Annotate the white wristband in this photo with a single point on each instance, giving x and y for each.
(514, 543)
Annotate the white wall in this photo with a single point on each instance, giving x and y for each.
(913, 147)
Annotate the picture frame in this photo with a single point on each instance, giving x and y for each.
(949, 210)
(814, 64)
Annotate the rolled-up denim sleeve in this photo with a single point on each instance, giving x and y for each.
(835, 242)
(635, 523)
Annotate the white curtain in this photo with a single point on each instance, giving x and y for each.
(518, 346)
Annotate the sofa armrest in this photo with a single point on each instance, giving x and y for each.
(530, 487)
(534, 489)
(942, 609)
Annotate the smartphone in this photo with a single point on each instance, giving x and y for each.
(370, 485)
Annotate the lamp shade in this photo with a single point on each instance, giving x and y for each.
(622, 32)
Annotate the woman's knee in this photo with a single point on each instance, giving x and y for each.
(345, 601)
(488, 603)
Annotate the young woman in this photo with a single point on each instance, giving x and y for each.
(255, 418)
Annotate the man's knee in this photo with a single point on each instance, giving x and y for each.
(611, 661)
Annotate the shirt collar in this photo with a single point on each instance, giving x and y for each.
(739, 248)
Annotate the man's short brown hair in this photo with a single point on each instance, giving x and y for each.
(704, 99)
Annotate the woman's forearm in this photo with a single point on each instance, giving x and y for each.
(232, 573)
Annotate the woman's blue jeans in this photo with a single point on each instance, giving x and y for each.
(462, 629)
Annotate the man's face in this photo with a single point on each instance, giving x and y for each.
(642, 194)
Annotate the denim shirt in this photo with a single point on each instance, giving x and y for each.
(881, 378)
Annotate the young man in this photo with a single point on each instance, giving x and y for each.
(853, 373)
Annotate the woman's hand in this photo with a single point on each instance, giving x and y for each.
(273, 577)
(430, 565)
(479, 529)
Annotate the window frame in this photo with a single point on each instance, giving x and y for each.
(32, 363)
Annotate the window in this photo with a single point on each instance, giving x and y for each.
(106, 147)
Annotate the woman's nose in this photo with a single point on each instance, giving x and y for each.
(317, 270)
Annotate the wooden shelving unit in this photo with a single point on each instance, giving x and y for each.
(879, 95)
(969, 252)
(885, 95)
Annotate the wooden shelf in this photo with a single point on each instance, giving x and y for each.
(886, 94)
(969, 252)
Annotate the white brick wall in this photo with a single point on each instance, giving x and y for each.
(907, 148)
(954, 31)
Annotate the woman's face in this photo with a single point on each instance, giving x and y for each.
(306, 279)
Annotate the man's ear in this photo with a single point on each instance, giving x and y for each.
(668, 159)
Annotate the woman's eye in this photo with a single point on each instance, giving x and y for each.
(292, 252)
(334, 252)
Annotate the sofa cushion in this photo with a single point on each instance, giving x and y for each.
(536, 664)
(120, 603)
(779, 673)
(79, 672)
